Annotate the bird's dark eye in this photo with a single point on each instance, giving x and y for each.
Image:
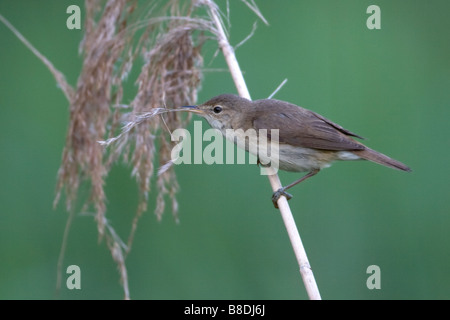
(217, 109)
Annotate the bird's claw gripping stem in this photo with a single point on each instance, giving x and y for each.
(277, 194)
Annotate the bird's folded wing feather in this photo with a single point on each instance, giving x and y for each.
(304, 128)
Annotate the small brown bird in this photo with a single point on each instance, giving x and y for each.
(308, 142)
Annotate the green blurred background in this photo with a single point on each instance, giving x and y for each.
(390, 85)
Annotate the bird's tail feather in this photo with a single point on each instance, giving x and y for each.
(382, 159)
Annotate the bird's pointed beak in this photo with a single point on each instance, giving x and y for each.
(194, 109)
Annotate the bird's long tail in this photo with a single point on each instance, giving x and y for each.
(382, 159)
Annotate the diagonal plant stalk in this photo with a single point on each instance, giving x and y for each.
(288, 219)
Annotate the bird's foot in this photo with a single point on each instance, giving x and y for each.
(277, 194)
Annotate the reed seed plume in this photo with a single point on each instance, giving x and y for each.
(164, 45)
(139, 119)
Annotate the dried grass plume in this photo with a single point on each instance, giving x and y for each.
(165, 45)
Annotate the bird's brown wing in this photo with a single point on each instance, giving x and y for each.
(303, 128)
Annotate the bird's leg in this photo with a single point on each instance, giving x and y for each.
(258, 163)
(282, 191)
